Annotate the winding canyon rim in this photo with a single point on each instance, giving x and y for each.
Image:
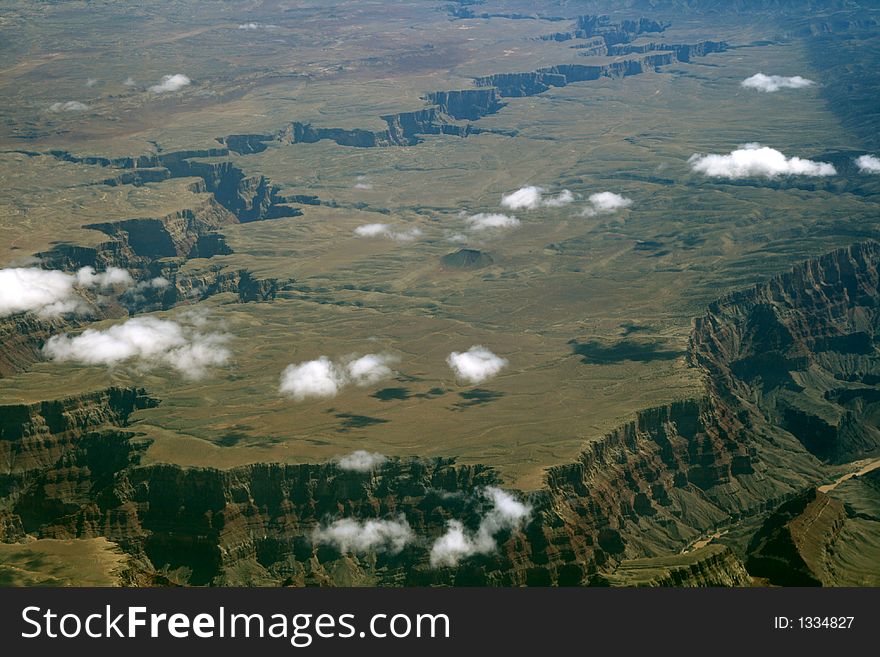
(564, 293)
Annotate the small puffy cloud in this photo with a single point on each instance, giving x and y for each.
(754, 160)
(322, 378)
(361, 461)
(506, 514)
(772, 83)
(868, 163)
(490, 221)
(91, 82)
(129, 81)
(363, 183)
(605, 203)
(249, 26)
(170, 83)
(147, 342)
(354, 536)
(69, 106)
(372, 230)
(314, 378)
(476, 364)
(532, 197)
(385, 230)
(370, 369)
(88, 277)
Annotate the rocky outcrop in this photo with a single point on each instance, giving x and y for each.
(22, 337)
(790, 548)
(472, 104)
(713, 565)
(603, 29)
(682, 52)
(36, 441)
(536, 82)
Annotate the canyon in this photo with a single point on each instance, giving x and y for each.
(648, 488)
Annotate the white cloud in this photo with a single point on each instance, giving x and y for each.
(385, 230)
(324, 378)
(91, 82)
(314, 378)
(87, 277)
(69, 106)
(868, 163)
(51, 292)
(45, 292)
(349, 535)
(148, 342)
(476, 364)
(771, 83)
(372, 230)
(489, 221)
(754, 160)
(170, 83)
(532, 197)
(129, 81)
(605, 203)
(370, 369)
(249, 26)
(363, 183)
(507, 514)
(361, 461)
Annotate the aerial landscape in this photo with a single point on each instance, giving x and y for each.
(440, 293)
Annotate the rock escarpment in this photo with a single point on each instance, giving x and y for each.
(713, 565)
(799, 352)
(791, 547)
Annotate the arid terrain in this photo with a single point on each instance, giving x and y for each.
(440, 293)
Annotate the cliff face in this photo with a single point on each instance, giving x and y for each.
(791, 546)
(713, 565)
(536, 82)
(22, 336)
(682, 52)
(798, 352)
(38, 440)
